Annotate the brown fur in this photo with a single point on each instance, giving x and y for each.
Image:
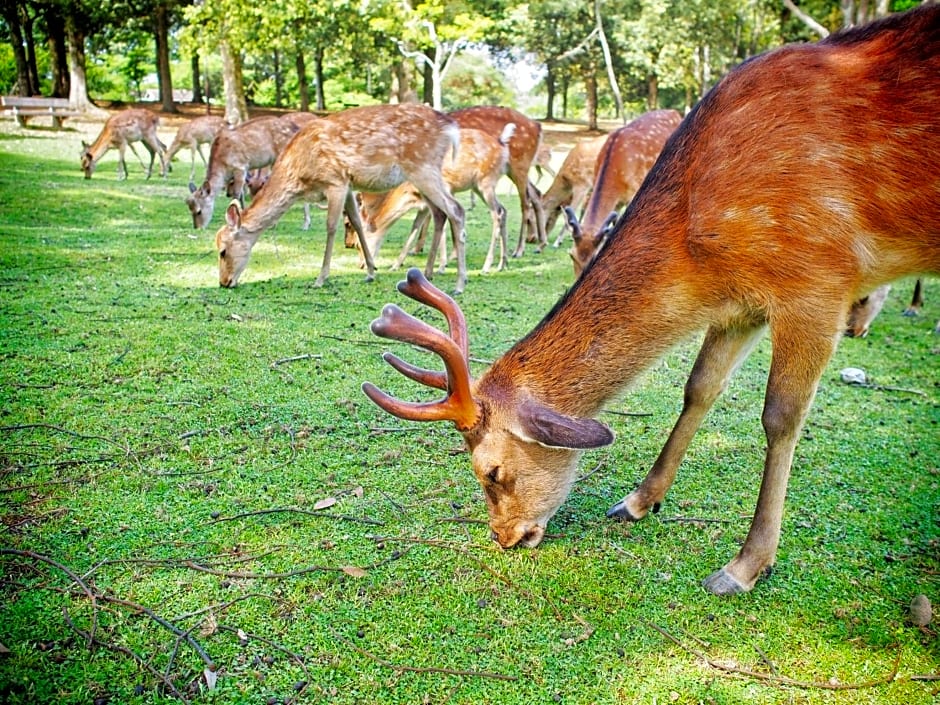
(192, 135)
(478, 165)
(805, 179)
(523, 152)
(251, 145)
(373, 148)
(623, 162)
(573, 182)
(121, 131)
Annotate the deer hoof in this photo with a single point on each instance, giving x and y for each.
(620, 511)
(370, 278)
(721, 582)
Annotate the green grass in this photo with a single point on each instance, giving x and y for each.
(145, 413)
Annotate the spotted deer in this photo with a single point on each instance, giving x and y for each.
(477, 166)
(572, 183)
(624, 160)
(192, 135)
(236, 150)
(120, 131)
(372, 148)
(523, 153)
(804, 179)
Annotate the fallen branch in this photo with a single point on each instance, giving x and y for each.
(295, 358)
(305, 512)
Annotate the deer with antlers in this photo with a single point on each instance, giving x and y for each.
(804, 179)
(372, 148)
(624, 160)
(192, 135)
(477, 166)
(236, 150)
(120, 131)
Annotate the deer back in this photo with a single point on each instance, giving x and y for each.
(619, 169)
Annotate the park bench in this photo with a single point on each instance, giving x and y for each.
(22, 108)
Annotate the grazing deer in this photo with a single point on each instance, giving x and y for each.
(865, 310)
(523, 152)
(372, 148)
(121, 131)
(192, 135)
(572, 183)
(250, 145)
(804, 179)
(477, 167)
(624, 160)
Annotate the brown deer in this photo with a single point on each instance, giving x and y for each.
(121, 131)
(572, 183)
(372, 148)
(250, 145)
(624, 160)
(479, 164)
(804, 179)
(192, 135)
(523, 152)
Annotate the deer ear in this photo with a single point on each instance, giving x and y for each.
(572, 220)
(192, 187)
(233, 215)
(550, 428)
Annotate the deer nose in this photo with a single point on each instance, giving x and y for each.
(527, 534)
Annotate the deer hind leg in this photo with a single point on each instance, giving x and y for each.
(722, 352)
(137, 154)
(438, 197)
(351, 206)
(498, 214)
(417, 228)
(801, 351)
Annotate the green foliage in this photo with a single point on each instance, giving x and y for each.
(7, 69)
(474, 81)
(147, 417)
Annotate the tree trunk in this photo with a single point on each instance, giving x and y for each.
(591, 98)
(278, 81)
(427, 71)
(403, 83)
(164, 77)
(58, 53)
(236, 108)
(550, 93)
(318, 76)
(564, 96)
(302, 84)
(197, 79)
(28, 21)
(608, 60)
(12, 18)
(78, 83)
(652, 87)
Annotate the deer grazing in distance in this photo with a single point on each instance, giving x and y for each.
(866, 310)
(372, 148)
(235, 150)
(192, 135)
(572, 183)
(477, 167)
(765, 210)
(623, 162)
(523, 152)
(121, 131)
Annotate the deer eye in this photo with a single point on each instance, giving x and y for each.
(493, 475)
(221, 254)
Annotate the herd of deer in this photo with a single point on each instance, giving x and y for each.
(802, 184)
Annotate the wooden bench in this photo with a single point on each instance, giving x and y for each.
(23, 108)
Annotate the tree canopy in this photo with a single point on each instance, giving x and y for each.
(582, 59)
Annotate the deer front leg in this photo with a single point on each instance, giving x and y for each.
(352, 212)
(121, 167)
(800, 354)
(498, 214)
(137, 154)
(722, 353)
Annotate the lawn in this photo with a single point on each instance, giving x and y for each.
(197, 502)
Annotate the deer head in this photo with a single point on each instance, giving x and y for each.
(88, 160)
(201, 204)
(524, 453)
(234, 248)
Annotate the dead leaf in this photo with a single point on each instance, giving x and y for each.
(236, 317)
(358, 492)
(354, 571)
(210, 677)
(209, 627)
(324, 503)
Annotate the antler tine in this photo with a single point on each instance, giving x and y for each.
(430, 378)
(420, 289)
(458, 406)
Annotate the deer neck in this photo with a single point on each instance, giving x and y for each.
(627, 310)
(267, 207)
